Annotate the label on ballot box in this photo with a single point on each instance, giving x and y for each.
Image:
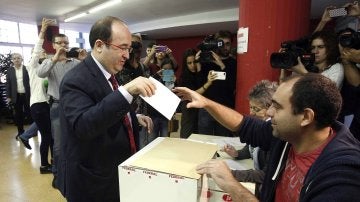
(164, 171)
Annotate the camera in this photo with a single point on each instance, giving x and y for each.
(293, 50)
(350, 40)
(206, 46)
(72, 53)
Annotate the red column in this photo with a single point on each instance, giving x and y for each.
(270, 22)
(51, 30)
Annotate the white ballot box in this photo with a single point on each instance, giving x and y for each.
(164, 171)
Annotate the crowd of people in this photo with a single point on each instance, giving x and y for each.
(292, 132)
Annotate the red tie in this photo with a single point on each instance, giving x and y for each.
(126, 122)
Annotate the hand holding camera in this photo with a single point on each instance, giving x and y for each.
(349, 9)
(77, 53)
(353, 9)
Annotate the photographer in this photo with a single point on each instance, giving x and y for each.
(133, 66)
(349, 57)
(54, 69)
(324, 45)
(222, 91)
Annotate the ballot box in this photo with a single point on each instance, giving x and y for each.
(215, 194)
(164, 171)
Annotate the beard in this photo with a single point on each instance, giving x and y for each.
(224, 53)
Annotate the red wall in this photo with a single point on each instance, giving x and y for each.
(47, 46)
(270, 22)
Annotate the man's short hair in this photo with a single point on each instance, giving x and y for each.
(223, 34)
(102, 30)
(262, 92)
(56, 36)
(318, 93)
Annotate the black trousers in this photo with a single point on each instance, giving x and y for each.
(21, 108)
(40, 113)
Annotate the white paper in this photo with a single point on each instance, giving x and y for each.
(164, 100)
(234, 141)
(242, 39)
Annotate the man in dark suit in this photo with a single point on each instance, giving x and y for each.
(18, 91)
(95, 140)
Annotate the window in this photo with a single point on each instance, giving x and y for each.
(28, 33)
(87, 43)
(72, 36)
(9, 32)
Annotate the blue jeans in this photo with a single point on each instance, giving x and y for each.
(30, 132)
(56, 133)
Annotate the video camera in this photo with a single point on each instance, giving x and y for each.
(73, 53)
(293, 50)
(207, 45)
(350, 40)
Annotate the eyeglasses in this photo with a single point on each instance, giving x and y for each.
(255, 109)
(61, 42)
(129, 50)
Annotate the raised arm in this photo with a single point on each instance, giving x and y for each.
(38, 45)
(227, 117)
(324, 19)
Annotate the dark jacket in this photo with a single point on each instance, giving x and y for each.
(334, 176)
(94, 139)
(11, 84)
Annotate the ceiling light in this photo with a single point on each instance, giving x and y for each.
(103, 6)
(93, 9)
(74, 17)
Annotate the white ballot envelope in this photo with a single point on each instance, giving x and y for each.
(164, 100)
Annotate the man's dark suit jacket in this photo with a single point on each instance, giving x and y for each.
(11, 84)
(94, 140)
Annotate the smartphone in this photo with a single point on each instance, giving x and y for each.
(338, 12)
(168, 75)
(219, 75)
(161, 48)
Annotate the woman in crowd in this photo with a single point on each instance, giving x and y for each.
(190, 78)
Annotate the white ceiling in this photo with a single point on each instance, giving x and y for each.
(155, 18)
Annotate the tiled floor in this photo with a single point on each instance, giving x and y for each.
(20, 178)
